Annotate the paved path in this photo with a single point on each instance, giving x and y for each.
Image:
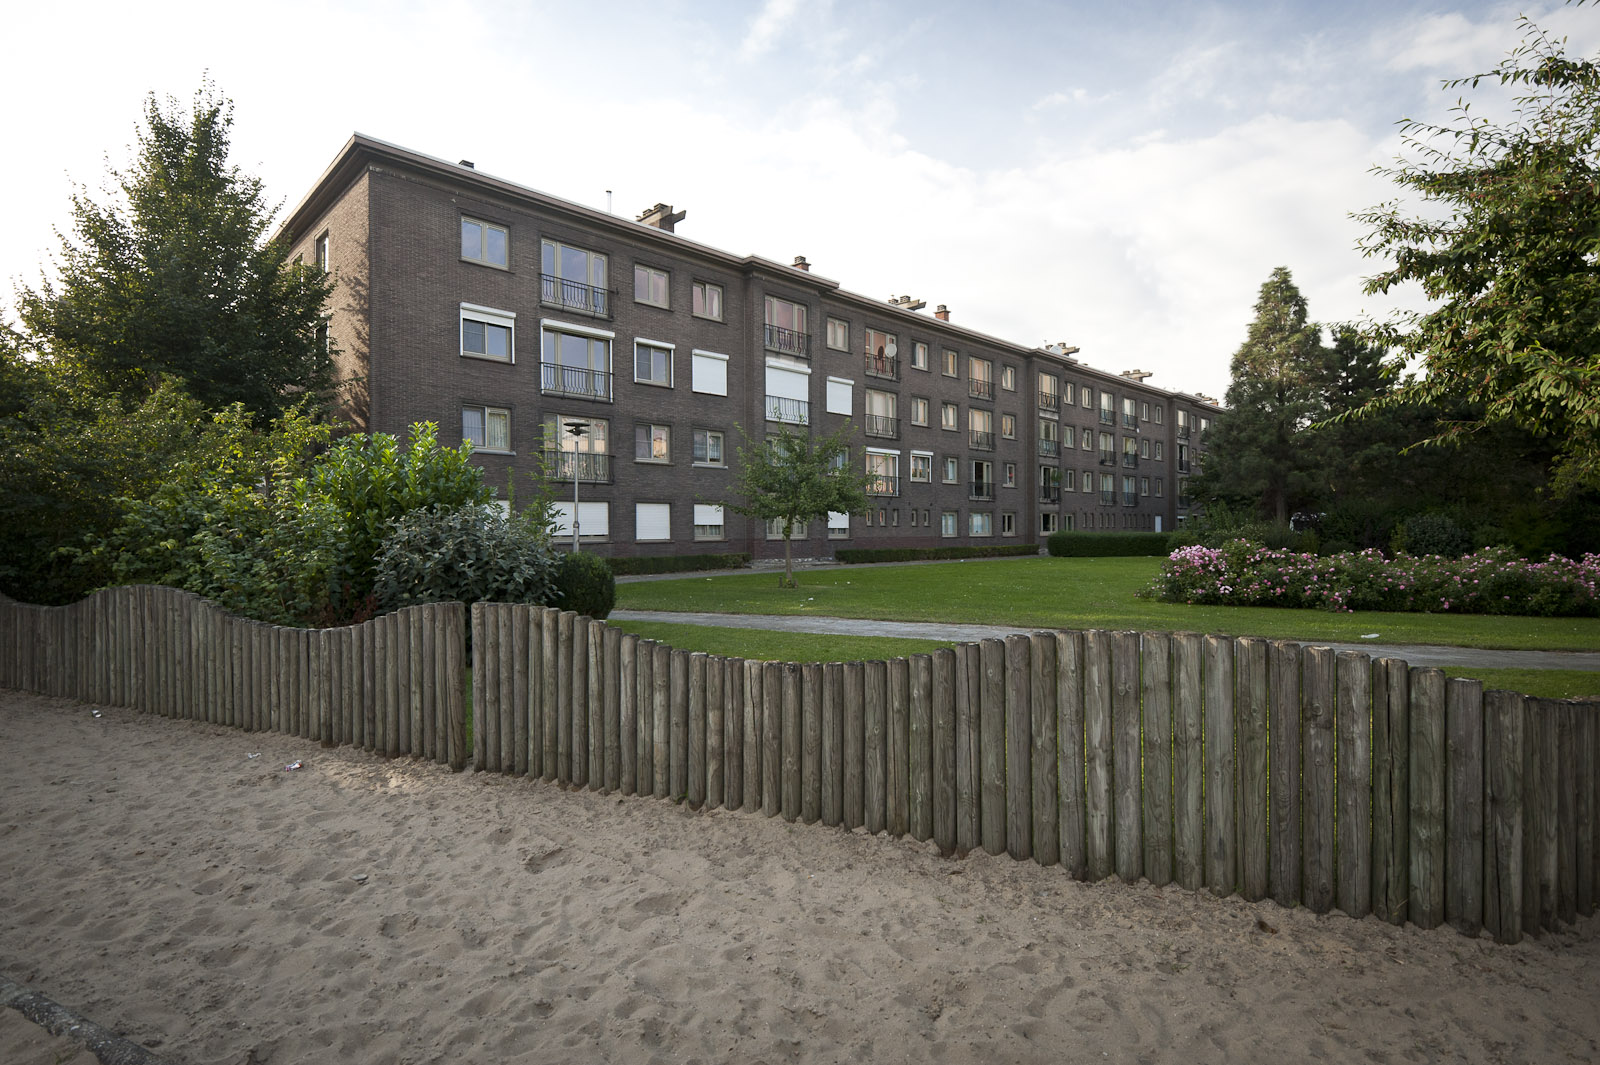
(1415, 654)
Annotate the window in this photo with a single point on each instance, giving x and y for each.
(949, 416)
(1086, 397)
(1067, 480)
(1108, 489)
(1008, 426)
(797, 531)
(952, 470)
(585, 457)
(1108, 408)
(577, 361)
(1130, 419)
(980, 523)
(488, 333)
(981, 485)
(1144, 486)
(1108, 454)
(883, 467)
(322, 251)
(594, 521)
(840, 392)
(838, 525)
(652, 521)
(1049, 433)
(919, 410)
(881, 417)
(652, 443)
(1047, 522)
(1049, 392)
(1011, 475)
(1205, 423)
(708, 373)
(1088, 440)
(649, 286)
(1183, 424)
(1066, 438)
(980, 425)
(1130, 452)
(652, 363)
(1158, 414)
(1160, 485)
(788, 395)
(980, 378)
(922, 467)
(1088, 481)
(1144, 449)
(838, 334)
(488, 428)
(1130, 491)
(1050, 484)
(1008, 523)
(919, 356)
(708, 521)
(1160, 451)
(1008, 378)
(947, 523)
(573, 278)
(707, 300)
(708, 447)
(786, 328)
(482, 242)
(1144, 411)
(882, 354)
(952, 363)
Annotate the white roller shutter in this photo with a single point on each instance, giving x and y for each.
(710, 373)
(788, 384)
(652, 521)
(594, 519)
(839, 395)
(707, 514)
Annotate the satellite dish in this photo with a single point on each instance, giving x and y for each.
(891, 349)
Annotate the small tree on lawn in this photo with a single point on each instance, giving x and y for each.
(794, 478)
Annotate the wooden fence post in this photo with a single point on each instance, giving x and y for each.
(1464, 809)
(1504, 729)
(1566, 814)
(1318, 784)
(1353, 716)
(896, 729)
(661, 690)
(1222, 813)
(595, 702)
(1427, 798)
(1070, 757)
(772, 738)
(695, 785)
(628, 711)
(919, 749)
(992, 746)
(1125, 744)
(1097, 726)
(1391, 789)
(578, 701)
(1155, 659)
(754, 714)
(833, 743)
(1252, 713)
(1043, 748)
(855, 758)
(811, 742)
(734, 753)
(969, 763)
(791, 754)
(874, 714)
(944, 749)
(611, 708)
(1188, 762)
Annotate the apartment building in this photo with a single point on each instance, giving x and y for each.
(630, 361)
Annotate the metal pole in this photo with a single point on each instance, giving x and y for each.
(577, 429)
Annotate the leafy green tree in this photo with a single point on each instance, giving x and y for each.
(1260, 453)
(794, 478)
(1505, 248)
(173, 275)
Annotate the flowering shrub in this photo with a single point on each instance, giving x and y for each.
(1491, 581)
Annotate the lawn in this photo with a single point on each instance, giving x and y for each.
(1077, 593)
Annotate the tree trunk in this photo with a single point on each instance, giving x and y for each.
(788, 561)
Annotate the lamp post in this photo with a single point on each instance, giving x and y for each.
(578, 430)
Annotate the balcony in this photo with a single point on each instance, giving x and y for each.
(1130, 499)
(882, 484)
(980, 388)
(882, 426)
(578, 381)
(1183, 501)
(982, 441)
(981, 490)
(1108, 458)
(1049, 448)
(574, 296)
(1108, 417)
(1129, 421)
(1183, 465)
(1130, 460)
(788, 341)
(1050, 493)
(1108, 497)
(565, 465)
(884, 366)
(1183, 432)
(788, 411)
(1050, 401)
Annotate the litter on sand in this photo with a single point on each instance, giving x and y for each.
(256, 755)
(292, 766)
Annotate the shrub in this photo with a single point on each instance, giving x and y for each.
(1108, 545)
(584, 583)
(854, 555)
(1432, 534)
(463, 554)
(627, 567)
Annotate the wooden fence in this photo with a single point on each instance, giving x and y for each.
(1240, 766)
(394, 685)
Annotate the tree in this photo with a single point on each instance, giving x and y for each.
(172, 276)
(793, 478)
(1507, 248)
(1260, 453)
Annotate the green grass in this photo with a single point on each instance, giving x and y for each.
(1544, 683)
(1077, 593)
(778, 646)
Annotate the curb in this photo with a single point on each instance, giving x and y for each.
(56, 1019)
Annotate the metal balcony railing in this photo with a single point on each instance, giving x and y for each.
(1108, 417)
(982, 441)
(1130, 499)
(790, 411)
(1049, 447)
(884, 366)
(585, 466)
(880, 425)
(1130, 460)
(575, 381)
(1050, 401)
(1050, 493)
(980, 388)
(1129, 421)
(1183, 432)
(981, 490)
(882, 484)
(1108, 497)
(1183, 501)
(574, 296)
(1183, 465)
(1108, 458)
(788, 341)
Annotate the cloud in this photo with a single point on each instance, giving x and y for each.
(767, 29)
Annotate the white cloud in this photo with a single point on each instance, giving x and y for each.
(767, 28)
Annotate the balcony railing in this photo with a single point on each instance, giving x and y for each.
(882, 426)
(1049, 447)
(885, 366)
(981, 490)
(1130, 499)
(1108, 458)
(1130, 460)
(1129, 421)
(564, 465)
(1050, 401)
(982, 441)
(882, 484)
(1050, 493)
(1183, 465)
(788, 341)
(1108, 417)
(980, 388)
(1183, 501)
(1108, 497)
(1183, 432)
(791, 411)
(575, 381)
(574, 296)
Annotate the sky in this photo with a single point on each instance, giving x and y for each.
(1120, 177)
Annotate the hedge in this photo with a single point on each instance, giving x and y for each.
(854, 555)
(1108, 544)
(629, 567)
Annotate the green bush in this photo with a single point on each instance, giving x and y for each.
(464, 554)
(854, 555)
(628, 567)
(1109, 544)
(1432, 534)
(584, 583)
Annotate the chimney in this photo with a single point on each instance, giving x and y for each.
(801, 264)
(942, 313)
(467, 163)
(910, 303)
(1137, 375)
(662, 217)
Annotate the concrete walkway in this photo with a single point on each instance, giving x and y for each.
(1415, 654)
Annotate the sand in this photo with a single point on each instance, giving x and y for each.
(204, 903)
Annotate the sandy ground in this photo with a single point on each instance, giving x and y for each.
(159, 881)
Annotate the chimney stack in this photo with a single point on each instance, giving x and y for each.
(662, 217)
(1137, 375)
(467, 163)
(801, 264)
(942, 313)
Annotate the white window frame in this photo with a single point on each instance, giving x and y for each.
(590, 514)
(488, 316)
(1008, 426)
(951, 363)
(666, 436)
(1008, 378)
(919, 403)
(654, 345)
(919, 355)
(651, 273)
(952, 470)
(838, 525)
(483, 242)
(595, 282)
(950, 417)
(722, 448)
(949, 523)
(709, 522)
(975, 518)
(708, 372)
(487, 413)
(552, 325)
(838, 334)
(701, 294)
(1086, 397)
(927, 458)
